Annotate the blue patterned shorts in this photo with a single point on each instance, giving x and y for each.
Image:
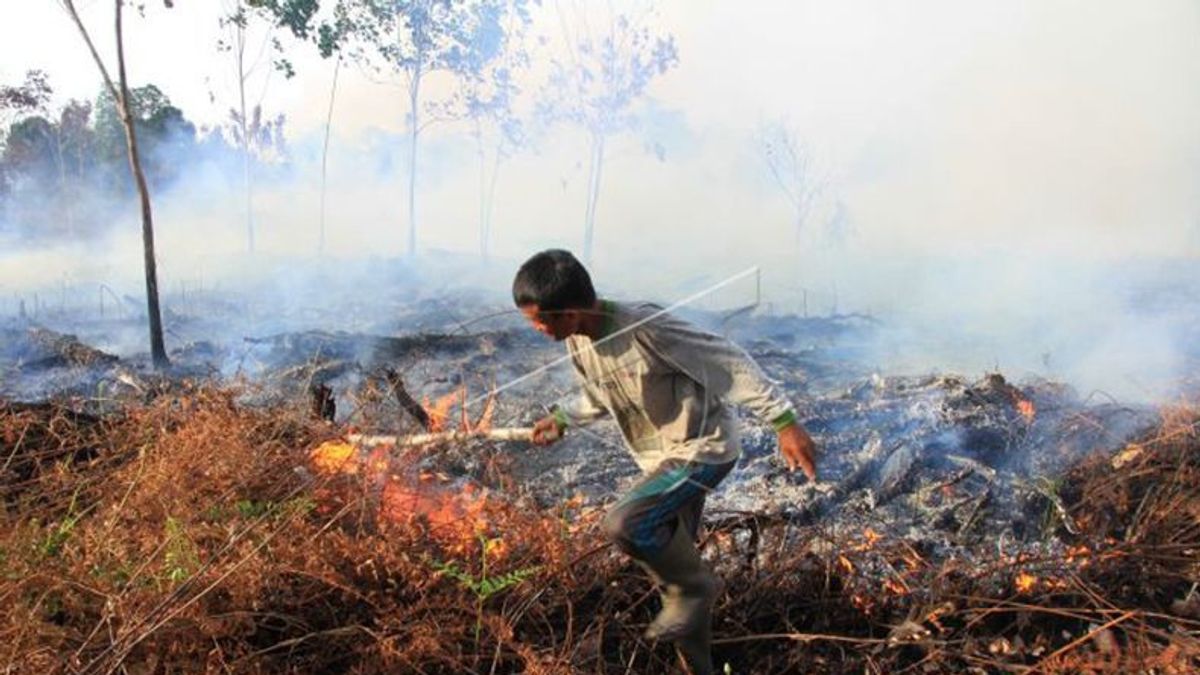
(644, 520)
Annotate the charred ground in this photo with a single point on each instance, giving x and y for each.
(209, 518)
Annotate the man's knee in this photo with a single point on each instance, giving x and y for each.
(617, 529)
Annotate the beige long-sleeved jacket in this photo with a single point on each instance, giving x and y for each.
(667, 383)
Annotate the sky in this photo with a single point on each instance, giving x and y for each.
(923, 111)
(996, 159)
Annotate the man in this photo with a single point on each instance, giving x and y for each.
(666, 383)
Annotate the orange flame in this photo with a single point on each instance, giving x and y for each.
(895, 586)
(456, 519)
(871, 536)
(485, 418)
(1025, 582)
(935, 616)
(862, 603)
(439, 412)
(334, 457)
(1027, 409)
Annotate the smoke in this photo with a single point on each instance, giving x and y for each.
(1017, 193)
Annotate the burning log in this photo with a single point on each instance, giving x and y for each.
(324, 407)
(973, 516)
(895, 473)
(971, 465)
(501, 434)
(405, 399)
(48, 349)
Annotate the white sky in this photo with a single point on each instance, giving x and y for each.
(1014, 133)
(1061, 124)
(1046, 118)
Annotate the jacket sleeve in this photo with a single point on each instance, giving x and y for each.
(724, 369)
(585, 407)
(580, 410)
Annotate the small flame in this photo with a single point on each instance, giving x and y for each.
(845, 563)
(934, 617)
(862, 603)
(455, 519)
(871, 536)
(1027, 409)
(485, 418)
(439, 411)
(1025, 582)
(335, 457)
(1082, 552)
(895, 586)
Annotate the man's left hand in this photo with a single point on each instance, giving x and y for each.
(798, 449)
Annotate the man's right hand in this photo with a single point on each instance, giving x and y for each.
(546, 431)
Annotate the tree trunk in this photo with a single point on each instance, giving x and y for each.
(325, 155)
(67, 201)
(481, 148)
(593, 195)
(491, 203)
(414, 91)
(247, 185)
(158, 352)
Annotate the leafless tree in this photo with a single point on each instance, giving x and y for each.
(120, 92)
(793, 169)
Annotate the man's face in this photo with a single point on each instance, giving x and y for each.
(558, 324)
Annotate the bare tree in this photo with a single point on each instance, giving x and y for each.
(793, 170)
(604, 72)
(411, 40)
(337, 67)
(489, 94)
(250, 43)
(235, 24)
(120, 92)
(415, 39)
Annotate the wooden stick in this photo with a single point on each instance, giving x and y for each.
(1078, 641)
(504, 434)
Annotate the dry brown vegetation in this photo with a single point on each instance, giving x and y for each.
(193, 534)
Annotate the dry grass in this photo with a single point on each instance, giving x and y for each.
(192, 534)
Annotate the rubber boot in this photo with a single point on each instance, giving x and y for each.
(688, 593)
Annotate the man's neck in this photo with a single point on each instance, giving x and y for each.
(594, 321)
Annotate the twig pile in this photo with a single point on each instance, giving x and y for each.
(192, 534)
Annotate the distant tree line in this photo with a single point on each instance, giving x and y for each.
(64, 170)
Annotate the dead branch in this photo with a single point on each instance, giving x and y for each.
(503, 434)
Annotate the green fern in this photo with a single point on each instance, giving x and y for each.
(54, 540)
(485, 586)
(180, 558)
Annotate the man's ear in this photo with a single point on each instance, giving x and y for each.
(570, 318)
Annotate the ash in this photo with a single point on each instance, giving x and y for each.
(944, 460)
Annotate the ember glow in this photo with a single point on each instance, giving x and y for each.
(895, 586)
(455, 515)
(440, 412)
(1027, 409)
(335, 457)
(1025, 582)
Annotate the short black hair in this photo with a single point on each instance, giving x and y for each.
(553, 280)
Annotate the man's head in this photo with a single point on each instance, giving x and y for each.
(554, 292)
